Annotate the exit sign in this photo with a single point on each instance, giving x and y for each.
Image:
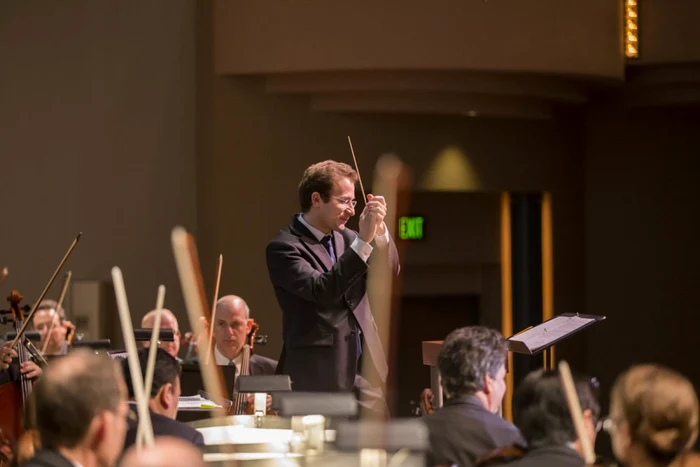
(411, 228)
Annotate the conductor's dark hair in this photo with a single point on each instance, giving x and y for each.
(541, 412)
(71, 392)
(166, 370)
(467, 355)
(320, 178)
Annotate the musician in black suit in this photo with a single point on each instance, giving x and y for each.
(81, 412)
(163, 402)
(472, 367)
(318, 269)
(541, 412)
(232, 324)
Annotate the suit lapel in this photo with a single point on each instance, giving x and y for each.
(339, 242)
(311, 244)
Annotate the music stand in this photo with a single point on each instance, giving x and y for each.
(541, 338)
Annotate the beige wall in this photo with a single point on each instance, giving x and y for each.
(264, 36)
(97, 134)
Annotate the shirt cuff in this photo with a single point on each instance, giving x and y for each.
(362, 248)
(382, 240)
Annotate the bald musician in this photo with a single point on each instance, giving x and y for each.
(167, 321)
(81, 412)
(165, 452)
(232, 324)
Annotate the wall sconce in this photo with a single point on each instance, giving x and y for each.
(631, 29)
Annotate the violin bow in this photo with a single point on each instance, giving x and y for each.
(219, 267)
(380, 277)
(61, 296)
(3, 275)
(357, 169)
(132, 355)
(567, 382)
(29, 317)
(152, 352)
(190, 274)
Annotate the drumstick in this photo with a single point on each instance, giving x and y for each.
(357, 169)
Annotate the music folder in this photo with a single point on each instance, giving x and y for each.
(539, 338)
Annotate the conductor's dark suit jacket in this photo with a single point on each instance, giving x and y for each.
(322, 304)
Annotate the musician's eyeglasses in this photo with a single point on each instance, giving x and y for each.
(347, 202)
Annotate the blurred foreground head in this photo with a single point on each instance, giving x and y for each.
(165, 452)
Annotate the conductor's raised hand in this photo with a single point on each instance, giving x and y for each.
(371, 219)
(381, 228)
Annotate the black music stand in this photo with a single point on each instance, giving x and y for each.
(540, 339)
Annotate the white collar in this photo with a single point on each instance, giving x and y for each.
(316, 233)
(222, 360)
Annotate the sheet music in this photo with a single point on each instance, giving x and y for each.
(195, 402)
(546, 333)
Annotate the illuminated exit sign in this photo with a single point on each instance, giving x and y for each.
(411, 228)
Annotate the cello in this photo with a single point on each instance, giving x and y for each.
(15, 396)
(239, 406)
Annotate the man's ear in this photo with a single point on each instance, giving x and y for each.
(98, 427)
(487, 384)
(248, 326)
(165, 395)
(316, 198)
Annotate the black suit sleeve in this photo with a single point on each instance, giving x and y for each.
(198, 439)
(292, 272)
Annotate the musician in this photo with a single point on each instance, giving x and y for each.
(10, 371)
(81, 412)
(232, 324)
(165, 452)
(653, 417)
(167, 321)
(471, 363)
(163, 402)
(541, 412)
(318, 269)
(46, 314)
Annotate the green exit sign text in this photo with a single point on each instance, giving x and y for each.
(411, 228)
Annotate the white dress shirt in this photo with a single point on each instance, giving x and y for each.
(223, 361)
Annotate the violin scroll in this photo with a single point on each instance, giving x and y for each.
(426, 402)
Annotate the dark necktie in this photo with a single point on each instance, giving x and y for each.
(327, 242)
